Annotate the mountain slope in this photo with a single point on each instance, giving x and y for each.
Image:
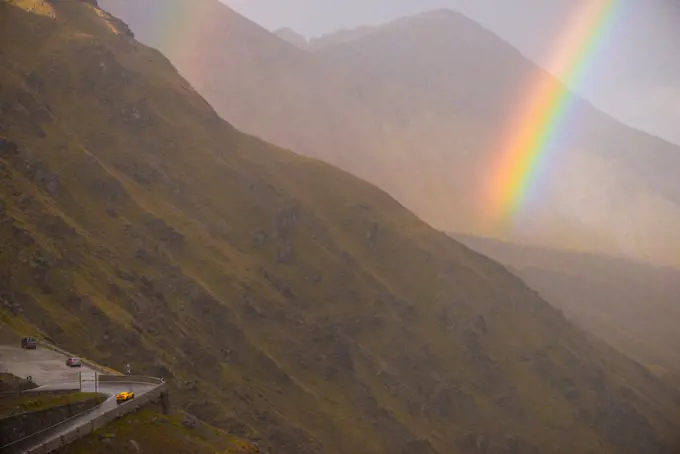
(632, 305)
(292, 37)
(283, 299)
(150, 431)
(421, 107)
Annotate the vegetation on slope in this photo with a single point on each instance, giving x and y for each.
(632, 305)
(282, 298)
(11, 406)
(149, 431)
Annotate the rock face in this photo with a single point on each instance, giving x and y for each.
(7, 148)
(292, 302)
(189, 422)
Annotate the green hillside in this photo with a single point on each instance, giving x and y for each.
(283, 299)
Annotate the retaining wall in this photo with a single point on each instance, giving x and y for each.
(20, 426)
(89, 426)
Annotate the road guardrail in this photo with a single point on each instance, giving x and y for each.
(131, 379)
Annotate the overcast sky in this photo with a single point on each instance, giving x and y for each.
(635, 78)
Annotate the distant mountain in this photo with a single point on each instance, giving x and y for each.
(325, 41)
(292, 37)
(284, 300)
(420, 107)
(634, 306)
(635, 76)
(340, 37)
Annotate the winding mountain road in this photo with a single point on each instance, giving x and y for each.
(48, 370)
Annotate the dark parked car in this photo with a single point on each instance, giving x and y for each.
(74, 362)
(29, 342)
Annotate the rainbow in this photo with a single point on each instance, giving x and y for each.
(527, 145)
(178, 28)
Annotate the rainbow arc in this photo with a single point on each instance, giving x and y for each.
(527, 145)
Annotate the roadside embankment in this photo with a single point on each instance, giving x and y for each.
(24, 414)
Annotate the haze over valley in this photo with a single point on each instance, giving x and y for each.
(412, 109)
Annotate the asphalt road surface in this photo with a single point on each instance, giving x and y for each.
(42, 364)
(49, 370)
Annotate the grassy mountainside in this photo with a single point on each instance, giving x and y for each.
(282, 298)
(423, 107)
(26, 404)
(632, 305)
(149, 431)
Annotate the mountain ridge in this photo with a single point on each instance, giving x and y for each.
(371, 105)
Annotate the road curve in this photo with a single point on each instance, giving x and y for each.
(110, 389)
(49, 370)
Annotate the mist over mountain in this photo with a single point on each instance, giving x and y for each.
(420, 107)
(292, 37)
(633, 74)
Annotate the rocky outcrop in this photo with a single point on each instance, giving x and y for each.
(8, 148)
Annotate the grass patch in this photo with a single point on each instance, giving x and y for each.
(27, 403)
(151, 431)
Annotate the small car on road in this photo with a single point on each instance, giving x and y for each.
(124, 396)
(74, 362)
(29, 342)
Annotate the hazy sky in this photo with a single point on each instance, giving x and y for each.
(316, 17)
(635, 77)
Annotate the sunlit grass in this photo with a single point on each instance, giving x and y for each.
(39, 7)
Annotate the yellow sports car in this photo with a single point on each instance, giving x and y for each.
(124, 396)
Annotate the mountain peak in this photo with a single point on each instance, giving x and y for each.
(293, 37)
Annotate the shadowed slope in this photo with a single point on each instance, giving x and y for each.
(632, 305)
